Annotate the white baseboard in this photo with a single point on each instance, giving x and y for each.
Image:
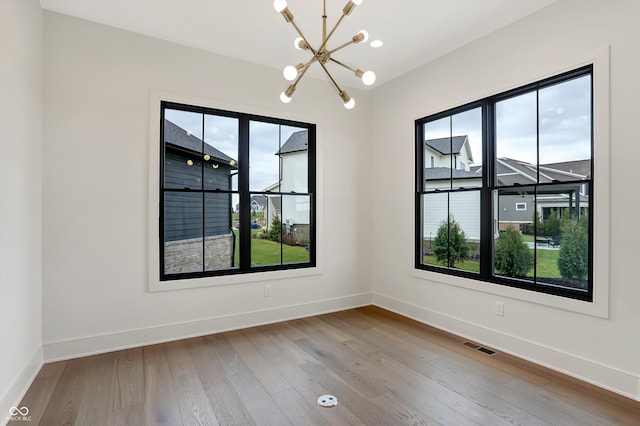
(67, 349)
(18, 389)
(610, 378)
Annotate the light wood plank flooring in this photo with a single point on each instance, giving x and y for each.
(383, 368)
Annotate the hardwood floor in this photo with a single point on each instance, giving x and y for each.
(383, 368)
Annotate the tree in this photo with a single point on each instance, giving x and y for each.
(275, 231)
(451, 245)
(552, 224)
(537, 220)
(513, 257)
(573, 259)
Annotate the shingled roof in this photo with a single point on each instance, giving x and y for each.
(512, 171)
(447, 146)
(298, 141)
(441, 173)
(177, 136)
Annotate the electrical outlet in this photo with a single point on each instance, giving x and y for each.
(500, 309)
(267, 290)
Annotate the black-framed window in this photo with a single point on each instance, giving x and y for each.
(504, 188)
(237, 193)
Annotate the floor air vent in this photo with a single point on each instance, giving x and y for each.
(479, 348)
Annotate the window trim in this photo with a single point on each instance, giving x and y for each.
(599, 306)
(266, 273)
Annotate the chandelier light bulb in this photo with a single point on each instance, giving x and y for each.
(365, 34)
(284, 98)
(350, 104)
(280, 5)
(357, 2)
(290, 73)
(298, 43)
(368, 78)
(376, 43)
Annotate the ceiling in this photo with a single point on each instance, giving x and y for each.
(414, 32)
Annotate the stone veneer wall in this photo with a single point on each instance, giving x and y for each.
(186, 255)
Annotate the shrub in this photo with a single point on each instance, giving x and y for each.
(451, 245)
(513, 257)
(275, 231)
(289, 240)
(552, 225)
(573, 260)
(539, 230)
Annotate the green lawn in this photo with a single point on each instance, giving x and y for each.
(265, 252)
(547, 264)
(467, 265)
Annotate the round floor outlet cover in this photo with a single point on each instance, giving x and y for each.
(327, 401)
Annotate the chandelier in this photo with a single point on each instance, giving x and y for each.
(323, 54)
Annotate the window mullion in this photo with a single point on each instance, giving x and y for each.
(244, 195)
(486, 194)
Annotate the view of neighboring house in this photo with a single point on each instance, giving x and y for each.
(449, 163)
(191, 164)
(519, 208)
(451, 153)
(293, 210)
(258, 204)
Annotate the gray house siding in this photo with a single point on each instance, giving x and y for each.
(183, 211)
(508, 212)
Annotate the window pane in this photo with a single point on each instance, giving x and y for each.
(220, 238)
(296, 210)
(516, 140)
(293, 161)
(182, 150)
(220, 152)
(467, 149)
(437, 154)
(266, 240)
(435, 209)
(182, 232)
(514, 242)
(453, 151)
(565, 131)
(269, 144)
(464, 230)
(562, 243)
(264, 165)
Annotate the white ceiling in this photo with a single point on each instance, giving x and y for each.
(414, 32)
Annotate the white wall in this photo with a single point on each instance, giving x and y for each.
(600, 350)
(20, 200)
(98, 82)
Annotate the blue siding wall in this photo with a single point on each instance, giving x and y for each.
(183, 214)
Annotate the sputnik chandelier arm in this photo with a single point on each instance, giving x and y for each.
(322, 55)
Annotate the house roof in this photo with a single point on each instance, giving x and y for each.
(261, 200)
(177, 136)
(441, 173)
(298, 141)
(447, 146)
(512, 171)
(579, 167)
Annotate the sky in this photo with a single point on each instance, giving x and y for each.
(222, 133)
(564, 119)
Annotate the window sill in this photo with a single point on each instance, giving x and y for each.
(598, 308)
(156, 286)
